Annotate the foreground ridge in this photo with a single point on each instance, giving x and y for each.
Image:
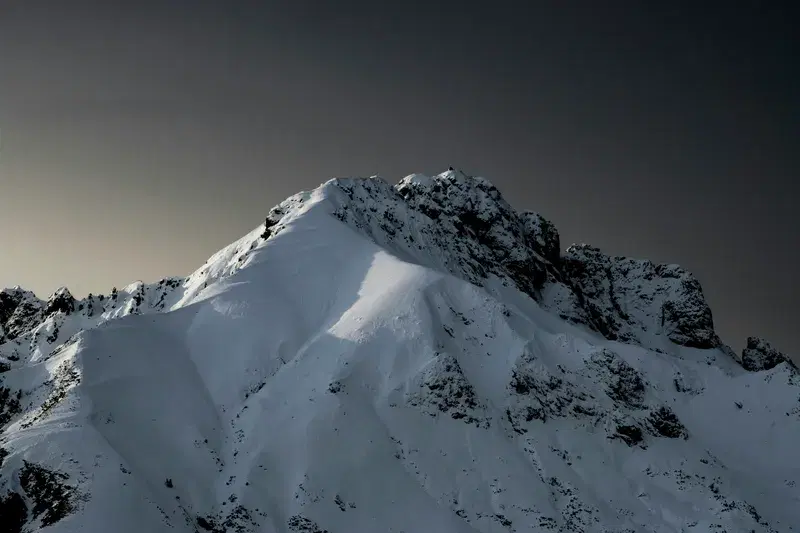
(373, 350)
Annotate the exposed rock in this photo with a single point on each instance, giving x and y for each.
(759, 355)
(666, 424)
(542, 236)
(474, 211)
(269, 223)
(629, 434)
(538, 394)
(20, 311)
(301, 524)
(207, 524)
(624, 385)
(9, 405)
(52, 498)
(60, 301)
(9, 300)
(444, 390)
(627, 299)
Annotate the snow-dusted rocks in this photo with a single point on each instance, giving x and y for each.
(20, 310)
(60, 301)
(634, 300)
(378, 358)
(759, 355)
(542, 236)
(31, 329)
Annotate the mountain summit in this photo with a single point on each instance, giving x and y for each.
(410, 358)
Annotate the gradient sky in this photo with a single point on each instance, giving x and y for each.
(141, 136)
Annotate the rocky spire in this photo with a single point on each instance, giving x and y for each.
(759, 355)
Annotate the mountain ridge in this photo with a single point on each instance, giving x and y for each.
(531, 270)
(493, 382)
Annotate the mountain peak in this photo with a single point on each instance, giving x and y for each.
(426, 338)
(459, 224)
(60, 301)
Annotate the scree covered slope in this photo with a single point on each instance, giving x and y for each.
(411, 358)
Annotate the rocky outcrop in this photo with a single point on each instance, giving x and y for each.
(759, 355)
(630, 299)
(542, 236)
(474, 211)
(60, 301)
(9, 300)
(20, 311)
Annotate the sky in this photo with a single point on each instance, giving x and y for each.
(140, 136)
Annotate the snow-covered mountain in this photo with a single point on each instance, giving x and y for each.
(412, 358)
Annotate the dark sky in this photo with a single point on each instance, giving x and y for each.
(141, 136)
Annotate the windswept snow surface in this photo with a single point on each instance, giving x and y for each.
(317, 376)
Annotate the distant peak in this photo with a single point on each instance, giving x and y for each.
(133, 287)
(60, 292)
(17, 292)
(60, 301)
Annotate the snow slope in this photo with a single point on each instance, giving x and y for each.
(416, 358)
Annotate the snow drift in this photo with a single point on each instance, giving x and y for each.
(409, 358)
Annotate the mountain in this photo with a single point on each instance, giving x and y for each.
(409, 358)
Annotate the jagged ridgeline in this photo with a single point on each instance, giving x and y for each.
(409, 357)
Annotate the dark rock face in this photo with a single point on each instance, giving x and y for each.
(630, 435)
(26, 316)
(9, 404)
(666, 424)
(624, 298)
(445, 391)
(542, 236)
(301, 524)
(587, 272)
(759, 355)
(498, 238)
(61, 301)
(626, 386)
(52, 498)
(539, 395)
(687, 317)
(9, 300)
